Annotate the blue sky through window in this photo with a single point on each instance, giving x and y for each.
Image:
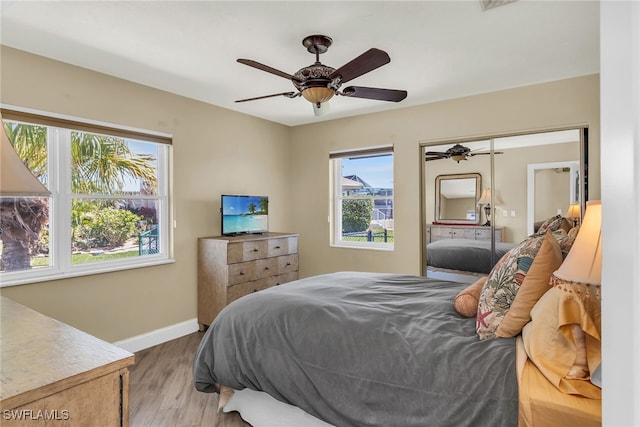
(377, 171)
(139, 147)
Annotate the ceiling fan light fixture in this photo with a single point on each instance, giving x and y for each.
(458, 157)
(318, 95)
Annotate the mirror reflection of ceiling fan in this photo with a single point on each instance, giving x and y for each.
(318, 83)
(457, 152)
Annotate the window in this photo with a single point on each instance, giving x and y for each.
(108, 208)
(362, 214)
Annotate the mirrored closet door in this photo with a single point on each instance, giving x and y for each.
(481, 197)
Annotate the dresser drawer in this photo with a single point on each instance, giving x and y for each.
(266, 267)
(242, 272)
(287, 264)
(247, 251)
(463, 233)
(283, 246)
(242, 289)
(283, 278)
(440, 233)
(484, 234)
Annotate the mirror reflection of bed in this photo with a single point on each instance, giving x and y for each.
(532, 177)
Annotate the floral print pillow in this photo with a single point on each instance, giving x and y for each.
(502, 285)
(554, 223)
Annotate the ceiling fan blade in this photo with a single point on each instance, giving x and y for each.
(259, 66)
(475, 154)
(392, 95)
(436, 153)
(287, 94)
(368, 61)
(427, 158)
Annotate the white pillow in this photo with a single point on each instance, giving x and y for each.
(261, 410)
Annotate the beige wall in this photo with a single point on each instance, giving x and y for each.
(217, 150)
(457, 207)
(561, 104)
(551, 193)
(214, 151)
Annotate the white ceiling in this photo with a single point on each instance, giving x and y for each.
(439, 49)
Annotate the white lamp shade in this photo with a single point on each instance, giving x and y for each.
(574, 210)
(16, 180)
(485, 198)
(584, 261)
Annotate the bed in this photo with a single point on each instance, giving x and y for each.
(353, 348)
(514, 348)
(361, 349)
(465, 254)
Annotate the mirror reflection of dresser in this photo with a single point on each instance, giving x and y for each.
(437, 232)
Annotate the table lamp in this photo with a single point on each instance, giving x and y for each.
(574, 213)
(485, 199)
(579, 279)
(16, 180)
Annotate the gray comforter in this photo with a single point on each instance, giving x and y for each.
(363, 349)
(465, 254)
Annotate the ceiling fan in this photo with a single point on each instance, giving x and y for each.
(317, 83)
(457, 152)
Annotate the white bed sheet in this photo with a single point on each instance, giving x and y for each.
(261, 410)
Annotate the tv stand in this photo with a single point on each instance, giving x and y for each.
(230, 267)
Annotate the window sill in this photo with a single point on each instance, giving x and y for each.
(365, 246)
(48, 275)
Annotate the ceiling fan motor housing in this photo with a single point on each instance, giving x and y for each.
(316, 75)
(314, 82)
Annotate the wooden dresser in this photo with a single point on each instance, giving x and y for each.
(233, 266)
(437, 232)
(52, 374)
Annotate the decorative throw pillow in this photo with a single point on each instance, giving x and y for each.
(565, 241)
(580, 368)
(563, 339)
(574, 231)
(466, 302)
(554, 223)
(502, 285)
(534, 285)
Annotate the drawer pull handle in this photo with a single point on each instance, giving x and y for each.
(277, 247)
(266, 268)
(255, 290)
(255, 249)
(242, 273)
(288, 264)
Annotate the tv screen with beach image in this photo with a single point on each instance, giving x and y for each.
(245, 214)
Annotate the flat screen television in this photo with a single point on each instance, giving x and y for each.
(244, 214)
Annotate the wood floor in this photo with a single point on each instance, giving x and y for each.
(162, 393)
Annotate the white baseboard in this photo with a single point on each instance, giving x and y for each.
(158, 336)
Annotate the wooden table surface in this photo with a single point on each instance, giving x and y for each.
(40, 356)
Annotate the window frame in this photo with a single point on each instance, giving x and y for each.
(60, 200)
(336, 197)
